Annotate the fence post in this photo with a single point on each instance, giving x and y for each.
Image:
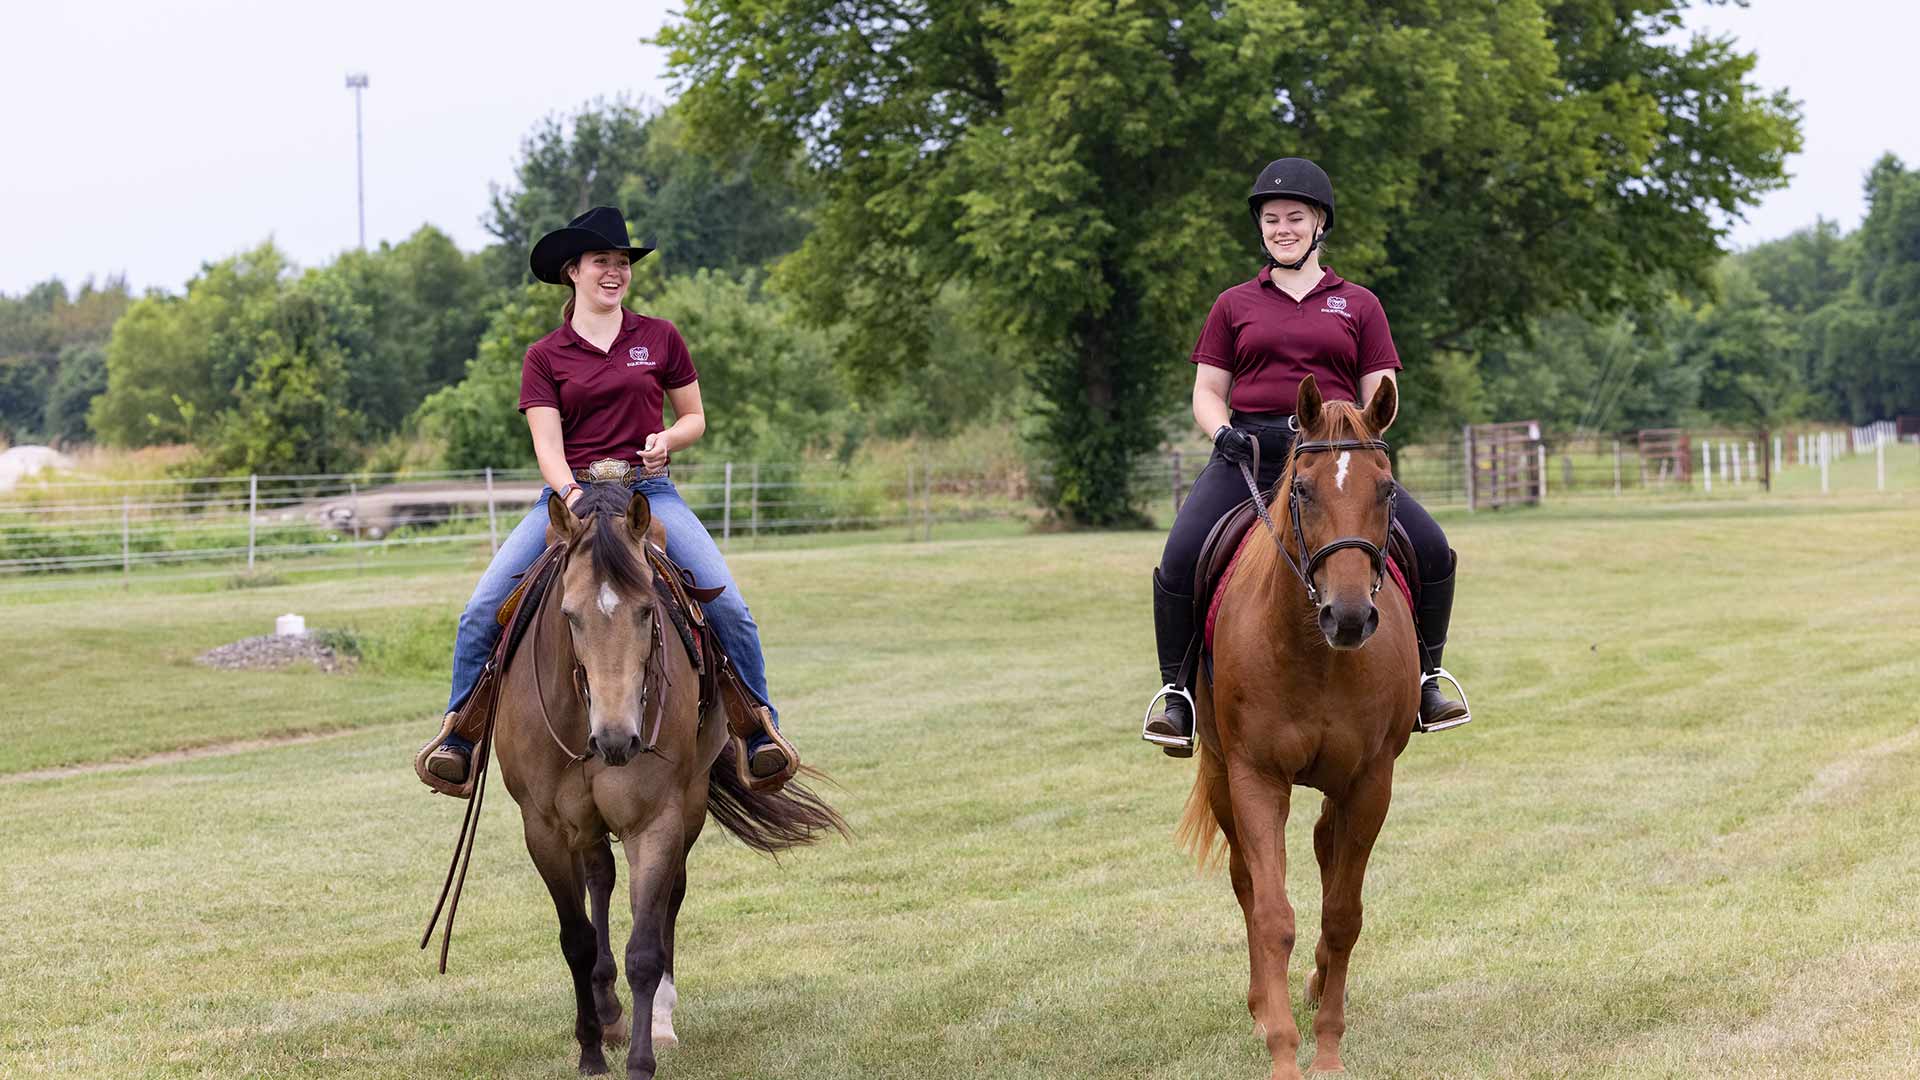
(126, 542)
(756, 504)
(1466, 446)
(253, 512)
(1775, 464)
(1880, 464)
(1826, 458)
(926, 497)
(726, 506)
(493, 525)
(1175, 470)
(1736, 461)
(1706, 465)
(1616, 468)
(1540, 466)
(353, 507)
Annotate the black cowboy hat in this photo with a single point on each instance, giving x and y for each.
(599, 229)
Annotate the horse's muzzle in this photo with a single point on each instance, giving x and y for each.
(615, 750)
(1348, 625)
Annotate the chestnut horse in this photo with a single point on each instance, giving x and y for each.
(1313, 683)
(618, 745)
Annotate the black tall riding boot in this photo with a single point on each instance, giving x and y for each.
(1173, 633)
(1437, 710)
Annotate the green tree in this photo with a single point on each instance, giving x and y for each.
(1747, 353)
(38, 332)
(478, 418)
(767, 383)
(406, 318)
(172, 361)
(1083, 167)
(288, 416)
(82, 377)
(717, 206)
(1881, 378)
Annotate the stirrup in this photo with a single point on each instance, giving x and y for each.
(1435, 676)
(1173, 741)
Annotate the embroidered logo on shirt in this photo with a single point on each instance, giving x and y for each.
(639, 354)
(1336, 305)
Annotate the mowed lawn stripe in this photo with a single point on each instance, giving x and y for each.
(1675, 842)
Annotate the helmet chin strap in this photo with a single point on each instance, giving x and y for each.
(1302, 261)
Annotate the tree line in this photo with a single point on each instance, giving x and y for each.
(882, 221)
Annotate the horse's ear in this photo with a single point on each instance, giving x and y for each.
(560, 518)
(1383, 407)
(639, 515)
(1306, 406)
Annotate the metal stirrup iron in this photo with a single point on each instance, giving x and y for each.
(1435, 676)
(1176, 741)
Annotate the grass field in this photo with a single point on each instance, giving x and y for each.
(1677, 841)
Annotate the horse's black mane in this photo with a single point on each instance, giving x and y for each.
(604, 506)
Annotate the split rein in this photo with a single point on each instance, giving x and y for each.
(1304, 568)
(653, 686)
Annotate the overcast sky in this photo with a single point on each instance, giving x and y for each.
(147, 137)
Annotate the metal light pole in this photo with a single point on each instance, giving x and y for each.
(356, 82)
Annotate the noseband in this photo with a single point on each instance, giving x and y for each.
(1304, 568)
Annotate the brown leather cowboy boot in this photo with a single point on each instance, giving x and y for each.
(451, 759)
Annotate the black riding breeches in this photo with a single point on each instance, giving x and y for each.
(1220, 487)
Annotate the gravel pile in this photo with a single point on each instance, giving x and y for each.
(273, 652)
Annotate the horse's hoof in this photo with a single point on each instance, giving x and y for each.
(593, 1063)
(615, 1034)
(664, 1038)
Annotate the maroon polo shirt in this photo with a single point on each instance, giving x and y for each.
(609, 401)
(1270, 341)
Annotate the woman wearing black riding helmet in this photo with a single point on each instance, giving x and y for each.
(1294, 318)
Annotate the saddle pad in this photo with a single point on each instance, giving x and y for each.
(1226, 577)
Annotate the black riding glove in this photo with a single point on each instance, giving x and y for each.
(1234, 445)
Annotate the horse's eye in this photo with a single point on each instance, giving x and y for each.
(1301, 491)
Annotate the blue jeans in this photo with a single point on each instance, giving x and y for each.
(687, 543)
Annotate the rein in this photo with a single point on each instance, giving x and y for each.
(1304, 568)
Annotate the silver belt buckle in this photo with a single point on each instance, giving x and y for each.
(609, 470)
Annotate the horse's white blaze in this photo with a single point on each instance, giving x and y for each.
(1340, 470)
(608, 599)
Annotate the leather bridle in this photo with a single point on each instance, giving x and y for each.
(1305, 567)
(653, 683)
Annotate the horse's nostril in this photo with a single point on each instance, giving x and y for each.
(1373, 622)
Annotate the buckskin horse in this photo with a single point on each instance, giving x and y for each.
(1312, 684)
(603, 728)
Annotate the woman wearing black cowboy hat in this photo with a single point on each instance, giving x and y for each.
(592, 392)
(1262, 338)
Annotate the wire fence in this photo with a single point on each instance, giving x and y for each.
(223, 525)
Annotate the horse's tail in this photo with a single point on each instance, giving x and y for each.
(768, 821)
(1199, 833)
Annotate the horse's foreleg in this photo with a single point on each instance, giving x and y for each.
(564, 873)
(601, 874)
(1260, 807)
(656, 858)
(667, 996)
(1356, 824)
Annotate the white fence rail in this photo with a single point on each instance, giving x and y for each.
(220, 524)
